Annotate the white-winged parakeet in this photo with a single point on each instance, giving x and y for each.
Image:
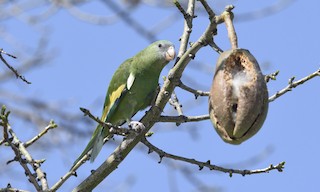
(132, 88)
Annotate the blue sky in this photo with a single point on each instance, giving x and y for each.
(83, 57)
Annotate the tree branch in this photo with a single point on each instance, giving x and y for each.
(188, 16)
(183, 119)
(292, 84)
(51, 125)
(11, 68)
(207, 164)
(174, 101)
(272, 76)
(10, 189)
(196, 93)
(19, 150)
(112, 128)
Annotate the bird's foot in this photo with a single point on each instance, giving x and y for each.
(136, 126)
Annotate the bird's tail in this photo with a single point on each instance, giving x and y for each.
(95, 145)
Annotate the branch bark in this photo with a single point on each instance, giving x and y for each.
(207, 164)
(293, 84)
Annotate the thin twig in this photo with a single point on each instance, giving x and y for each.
(272, 76)
(196, 93)
(187, 28)
(3, 52)
(182, 118)
(51, 125)
(112, 128)
(180, 8)
(65, 177)
(215, 47)
(292, 84)
(174, 101)
(208, 9)
(12, 68)
(207, 164)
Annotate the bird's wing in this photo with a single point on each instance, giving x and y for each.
(119, 86)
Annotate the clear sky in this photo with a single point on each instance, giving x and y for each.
(83, 56)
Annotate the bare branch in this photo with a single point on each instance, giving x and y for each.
(174, 101)
(65, 177)
(207, 164)
(184, 13)
(208, 9)
(215, 47)
(19, 150)
(51, 125)
(187, 28)
(112, 128)
(272, 76)
(10, 189)
(196, 93)
(182, 118)
(292, 84)
(11, 68)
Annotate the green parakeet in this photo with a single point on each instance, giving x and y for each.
(131, 89)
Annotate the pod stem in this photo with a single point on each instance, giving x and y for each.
(228, 20)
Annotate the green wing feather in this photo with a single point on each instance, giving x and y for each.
(117, 90)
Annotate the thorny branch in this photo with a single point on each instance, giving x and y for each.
(22, 155)
(196, 93)
(187, 27)
(12, 68)
(182, 118)
(293, 84)
(174, 101)
(208, 164)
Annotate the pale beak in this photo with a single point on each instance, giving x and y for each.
(170, 54)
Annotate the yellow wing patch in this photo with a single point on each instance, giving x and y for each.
(112, 98)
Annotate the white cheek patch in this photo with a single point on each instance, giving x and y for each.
(130, 81)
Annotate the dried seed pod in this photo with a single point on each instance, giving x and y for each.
(238, 101)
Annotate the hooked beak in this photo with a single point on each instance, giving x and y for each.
(170, 54)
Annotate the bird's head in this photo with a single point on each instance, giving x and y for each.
(164, 49)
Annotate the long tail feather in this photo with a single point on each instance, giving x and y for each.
(95, 144)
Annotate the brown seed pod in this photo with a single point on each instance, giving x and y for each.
(238, 101)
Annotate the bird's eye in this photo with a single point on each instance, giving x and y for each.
(160, 45)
